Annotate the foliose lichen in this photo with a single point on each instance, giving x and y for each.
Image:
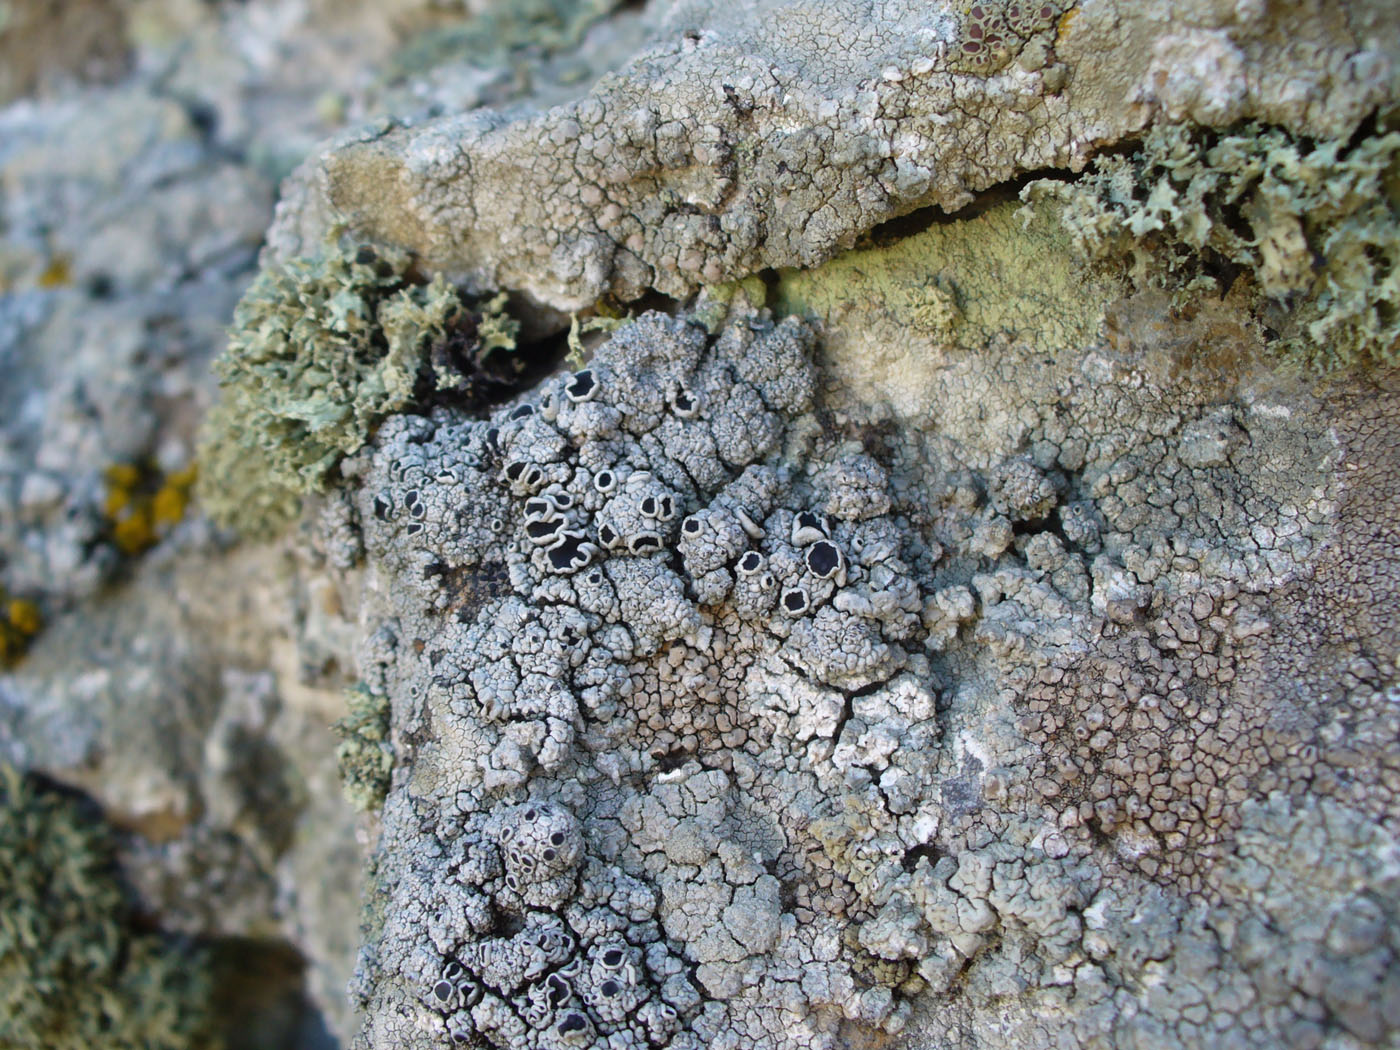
(74, 971)
(321, 350)
(1317, 224)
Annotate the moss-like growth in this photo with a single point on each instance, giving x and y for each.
(75, 973)
(321, 351)
(365, 755)
(1317, 224)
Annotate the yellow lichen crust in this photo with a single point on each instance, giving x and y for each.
(142, 503)
(897, 316)
(321, 350)
(74, 971)
(20, 621)
(1316, 224)
(958, 283)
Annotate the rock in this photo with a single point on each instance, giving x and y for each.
(950, 627)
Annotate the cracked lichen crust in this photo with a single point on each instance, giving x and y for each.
(634, 594)
(1316, 224)
(773, 134)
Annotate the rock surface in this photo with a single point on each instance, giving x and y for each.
(776, 133)
(892, 627)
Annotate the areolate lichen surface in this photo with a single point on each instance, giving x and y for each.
(714, 730)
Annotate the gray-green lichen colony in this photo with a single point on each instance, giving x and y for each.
(76, 973)
(321, 350)
(1317, 225)
(363, 754)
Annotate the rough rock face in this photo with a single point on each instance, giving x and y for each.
(773, 134)
(983, 636)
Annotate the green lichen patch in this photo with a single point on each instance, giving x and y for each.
(958, 283)
(75, 973)
(365, 754)
(1317, 225)
(321, 350)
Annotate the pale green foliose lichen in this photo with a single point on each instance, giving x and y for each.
(75, 974)
(320, 351)
(1316, 224)
(365, 754)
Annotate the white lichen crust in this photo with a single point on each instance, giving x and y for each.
(629, 597)
(724, 720)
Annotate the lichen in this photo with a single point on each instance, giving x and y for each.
(20, 621)
(322, 350)
(846, 756)
(899, 314)
(958, 284)
(365, 754)
(74, 971)
(142, 503)
(1316, 224)
(993, 34)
